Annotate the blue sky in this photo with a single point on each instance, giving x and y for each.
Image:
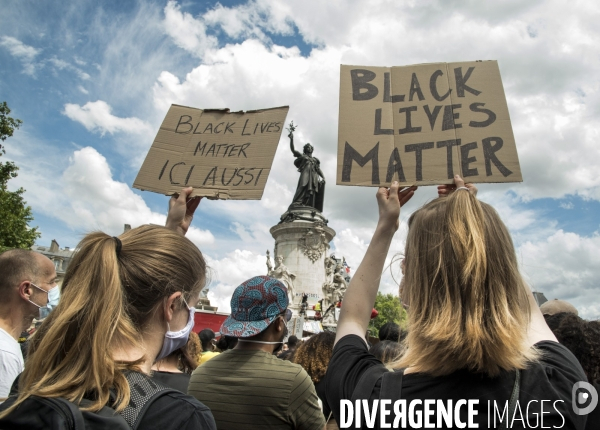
(92, 82)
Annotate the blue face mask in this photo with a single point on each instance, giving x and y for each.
(177, 339)
(53, 297)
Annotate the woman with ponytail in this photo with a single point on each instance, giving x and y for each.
(126, 302)
(475, 332)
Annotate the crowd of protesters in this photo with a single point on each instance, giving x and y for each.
(117, 350)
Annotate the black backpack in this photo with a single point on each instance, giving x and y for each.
(61, 414)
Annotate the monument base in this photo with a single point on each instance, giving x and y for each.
(303, 245)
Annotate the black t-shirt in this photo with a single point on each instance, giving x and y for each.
(551, 379)
(177, 411)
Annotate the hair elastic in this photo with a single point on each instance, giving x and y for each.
(119, 244)
(462, 188)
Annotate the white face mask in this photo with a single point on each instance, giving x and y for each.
(53, 296)
(280, 343)
(177, 339)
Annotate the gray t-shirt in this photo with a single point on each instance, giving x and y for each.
(11, 362)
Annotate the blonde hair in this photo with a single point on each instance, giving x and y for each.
(469, 307)
(106, 300)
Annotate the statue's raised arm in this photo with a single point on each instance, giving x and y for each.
(292, 128)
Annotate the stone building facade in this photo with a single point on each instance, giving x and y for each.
(61, 257)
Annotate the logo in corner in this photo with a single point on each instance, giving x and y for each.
(585, 398)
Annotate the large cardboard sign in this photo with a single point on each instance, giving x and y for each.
(423, 124)
(222, 154)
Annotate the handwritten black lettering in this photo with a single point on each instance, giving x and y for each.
(250, 174)
(243, 149)
(415, 88)
(217, 126)
(409, 128)
(378, 129)
(208, 126)
(461, 82)
(223, 176)
(213, 174)
(465, 160)
(449, 117)
(162, 170)
(432, 116)
(237, 173)
(489, 156)
(395, 167)
(418, 149)
(478, 107)
(186, 122)
(360, 81)
(171, 173)
(258, 176)
(228, 127)
(200, 148)
(449, 144)
(387, 97)
(212, 149)
(187, 178)
(433, 87)
(351, 154)
(244, 129)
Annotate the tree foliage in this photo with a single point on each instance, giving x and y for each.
(390, 309)
(15, 215)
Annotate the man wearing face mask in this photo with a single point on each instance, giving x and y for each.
(248, 387)
(28, 290)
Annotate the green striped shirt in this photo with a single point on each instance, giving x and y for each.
(254, 390)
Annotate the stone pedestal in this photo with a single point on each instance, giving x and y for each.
(304, 243)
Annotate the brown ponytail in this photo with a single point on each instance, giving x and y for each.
(105, 301)
(468, 302)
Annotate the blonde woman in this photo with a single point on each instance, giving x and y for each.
(126, 302)
(478, 348)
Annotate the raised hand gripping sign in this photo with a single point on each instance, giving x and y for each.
(222, 154)
(422, 124)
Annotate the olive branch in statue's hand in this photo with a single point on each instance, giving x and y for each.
(291, 128)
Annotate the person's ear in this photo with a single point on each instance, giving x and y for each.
(25, 290)
(171, 305)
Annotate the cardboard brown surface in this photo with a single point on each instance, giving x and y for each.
(422, 124)
(221, 154)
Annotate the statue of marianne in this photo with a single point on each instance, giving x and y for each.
(311, 185)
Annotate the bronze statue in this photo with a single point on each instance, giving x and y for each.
(311, 185)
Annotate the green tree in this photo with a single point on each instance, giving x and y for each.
(15, 215)
(390, 309)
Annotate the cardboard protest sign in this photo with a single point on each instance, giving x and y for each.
(423, 124)
(222, 154)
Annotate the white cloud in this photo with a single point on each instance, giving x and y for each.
(187, 32)
(231, 271)
(564, 266)
(63, 65)
(96, 116)
(21, 51)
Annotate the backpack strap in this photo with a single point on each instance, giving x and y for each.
(144, 391)
(513, 400)
(68, 410)
(391, 385)
(367, 382)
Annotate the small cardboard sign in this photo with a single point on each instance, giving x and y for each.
(422, 124)
(221, 154)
